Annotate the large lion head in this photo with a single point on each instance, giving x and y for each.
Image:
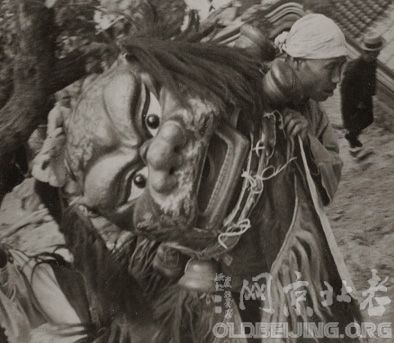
(139, 140)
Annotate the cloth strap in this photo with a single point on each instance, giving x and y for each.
(335, 252)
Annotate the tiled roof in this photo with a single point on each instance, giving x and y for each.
(356, 16)
(385, 26)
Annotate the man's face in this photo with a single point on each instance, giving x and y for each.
(319, 78)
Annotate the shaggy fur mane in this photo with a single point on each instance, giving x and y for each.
(225, 76)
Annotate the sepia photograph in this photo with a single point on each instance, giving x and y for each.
(196, 171)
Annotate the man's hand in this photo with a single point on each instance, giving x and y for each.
(295, 124)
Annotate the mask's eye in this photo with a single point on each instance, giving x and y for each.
(152, 118)
(138, 183)
(152, 121)
(139, 180)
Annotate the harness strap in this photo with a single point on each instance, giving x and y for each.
(334, 249)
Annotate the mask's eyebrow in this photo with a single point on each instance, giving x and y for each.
(146, 102)
(156, 89)
(137, 102)
(135, 99)
(151, 84)
(139, 113)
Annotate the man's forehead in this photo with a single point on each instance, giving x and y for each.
(326, 63)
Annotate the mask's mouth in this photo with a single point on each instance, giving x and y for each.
(220, 176)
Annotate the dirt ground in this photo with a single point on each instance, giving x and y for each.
(362, 215)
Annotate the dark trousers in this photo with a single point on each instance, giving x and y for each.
(352, 138)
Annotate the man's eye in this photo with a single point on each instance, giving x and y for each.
(138, 183)
(152, 118)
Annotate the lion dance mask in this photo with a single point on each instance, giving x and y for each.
(178, 145)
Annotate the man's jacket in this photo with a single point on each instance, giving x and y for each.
(357, 89)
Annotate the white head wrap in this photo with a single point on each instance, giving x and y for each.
(314, 36)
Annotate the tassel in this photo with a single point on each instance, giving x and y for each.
(186, 316)
(141, 267)
(169, 262)
(190, 316)
(305, 257)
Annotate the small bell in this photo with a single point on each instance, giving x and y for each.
(200, 276)
(168, 261)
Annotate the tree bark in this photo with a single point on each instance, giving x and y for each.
(36, 75)
(65, 71)
(32, 69)
(6, 85)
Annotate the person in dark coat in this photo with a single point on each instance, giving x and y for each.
(357, 89)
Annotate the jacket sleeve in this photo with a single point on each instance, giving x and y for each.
(324, 154)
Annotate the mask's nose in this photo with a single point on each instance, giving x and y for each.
(164, 156)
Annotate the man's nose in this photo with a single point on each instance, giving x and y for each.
(164, 156)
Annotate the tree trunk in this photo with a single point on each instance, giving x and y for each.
(66, 71)
(36, 76)
(32, 66)
(32, 69)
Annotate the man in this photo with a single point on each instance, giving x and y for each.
(314, 55)
(315, 50)
(357, 90)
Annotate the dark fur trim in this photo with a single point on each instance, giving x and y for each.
(225, 76)
(117, 303)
